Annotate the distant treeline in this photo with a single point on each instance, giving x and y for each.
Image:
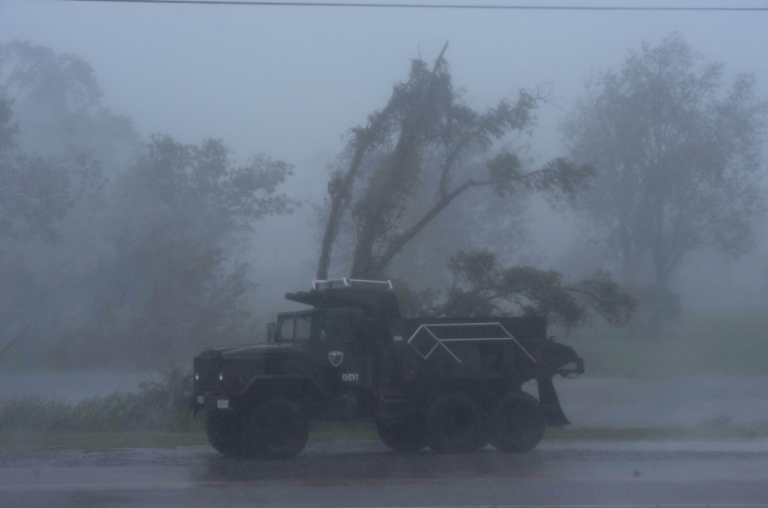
(116, 252)
(123, 252)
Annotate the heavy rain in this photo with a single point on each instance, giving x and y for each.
(566, 204)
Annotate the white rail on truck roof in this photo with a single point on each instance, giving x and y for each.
(322, 285)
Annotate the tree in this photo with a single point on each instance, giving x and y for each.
(427, 127)
(56, 145)
(169, 285)
(36, 195)
(197, 192)
(482, 287)
(402, 171)
(36, 74)
(57, 102)
(36, 192)
(677, 159)
(157, 303)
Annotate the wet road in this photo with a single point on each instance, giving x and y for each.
(365, 474)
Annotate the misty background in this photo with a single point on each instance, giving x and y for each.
(129, 257)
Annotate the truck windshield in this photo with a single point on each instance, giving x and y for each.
(293, 328)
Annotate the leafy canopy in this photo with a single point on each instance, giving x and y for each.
(481, 287)
(417, 155)
(677, 159)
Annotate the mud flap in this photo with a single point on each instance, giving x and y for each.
(550, 404)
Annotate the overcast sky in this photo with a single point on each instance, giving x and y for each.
(289, 81)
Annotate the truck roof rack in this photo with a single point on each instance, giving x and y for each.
(323, 285)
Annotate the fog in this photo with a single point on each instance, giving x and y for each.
(290, 82)
(169, 171)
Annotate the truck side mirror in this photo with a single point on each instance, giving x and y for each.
(271, 327)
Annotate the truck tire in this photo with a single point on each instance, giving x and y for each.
(224, 430)
(455, 424)
(276, 429)
(403, 437)
(517, 423)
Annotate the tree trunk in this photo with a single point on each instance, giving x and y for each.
(362, 260)
(403, 161)
(340, 191)
(331, 230)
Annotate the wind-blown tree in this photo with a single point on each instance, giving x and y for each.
(169, 288)
(56, 151)
(36, 195)
(413, 160)
(178, 190)
(482, 287)
(37, 192)
(479, 219)
(676, 156)
(69, 145)
(57, 102)
(427, 126)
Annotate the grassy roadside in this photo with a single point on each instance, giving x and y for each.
(24, 442)
(20, 442)
(703, 343)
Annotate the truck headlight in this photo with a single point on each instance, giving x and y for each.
(197, 376)
(221, 377)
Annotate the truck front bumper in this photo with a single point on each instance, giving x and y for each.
(209, 402)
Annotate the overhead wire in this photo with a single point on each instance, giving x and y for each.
(443, 6)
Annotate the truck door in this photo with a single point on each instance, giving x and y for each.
(343, 350)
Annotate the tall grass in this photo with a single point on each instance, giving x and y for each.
(157, 405)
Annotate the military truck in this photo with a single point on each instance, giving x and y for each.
(451, 384)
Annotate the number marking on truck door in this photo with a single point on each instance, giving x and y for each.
(350, 377)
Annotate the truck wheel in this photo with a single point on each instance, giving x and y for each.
(276, 429)
(454, 424)
(403, 437)
(517, 424)
(224, 430)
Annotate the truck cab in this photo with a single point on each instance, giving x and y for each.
(339, 348)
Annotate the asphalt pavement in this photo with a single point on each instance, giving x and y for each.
(366, 474)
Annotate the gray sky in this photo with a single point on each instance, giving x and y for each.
(290, 81)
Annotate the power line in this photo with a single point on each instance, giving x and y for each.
(437, 6)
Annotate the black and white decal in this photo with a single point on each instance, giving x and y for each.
(428, 337)
(336, 357)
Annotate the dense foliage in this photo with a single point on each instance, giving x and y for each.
(116, 252)
(157, 405)
(677, 157)
(408, 166)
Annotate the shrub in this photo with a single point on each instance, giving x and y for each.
(157, 405)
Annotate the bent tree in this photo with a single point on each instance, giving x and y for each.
(426, 124)
(426, 141)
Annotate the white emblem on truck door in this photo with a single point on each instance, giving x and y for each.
(336, 357)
